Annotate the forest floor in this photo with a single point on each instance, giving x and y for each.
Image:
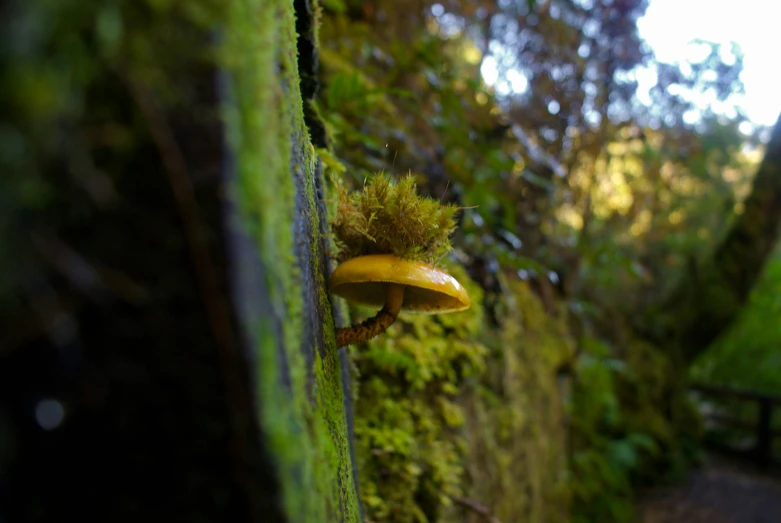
(721, 491)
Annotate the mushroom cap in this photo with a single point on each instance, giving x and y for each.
(428, 290)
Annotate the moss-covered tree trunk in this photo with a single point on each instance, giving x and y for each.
(713, 294)
(166, 340)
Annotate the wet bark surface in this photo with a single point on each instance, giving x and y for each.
(722, 491)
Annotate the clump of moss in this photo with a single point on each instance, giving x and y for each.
(388, 217)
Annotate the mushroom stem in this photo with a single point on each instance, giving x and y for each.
(377, 325)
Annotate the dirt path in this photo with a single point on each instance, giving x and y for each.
(721, 492)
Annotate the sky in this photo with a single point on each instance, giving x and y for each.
(669, 25)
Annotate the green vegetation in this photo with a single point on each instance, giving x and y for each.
(390, 218)
(409, 451)
(266, 125)
(587, 216)
(449, 409)
(747, 356)
(516, 425)
(609, 241)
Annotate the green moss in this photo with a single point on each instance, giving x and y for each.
(330, 398)
(449, 408)
(67, 89)
(515, 417)
(259, 133)
(267, 131)
(408, 420)
(391, 218)
(66, 77)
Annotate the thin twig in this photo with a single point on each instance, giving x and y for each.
(476, 507)
(187, 206)
(86, 276)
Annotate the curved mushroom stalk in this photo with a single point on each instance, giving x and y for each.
(378, 324)
(395, 284)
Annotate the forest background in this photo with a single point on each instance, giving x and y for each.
(609, 204)
(166, 249)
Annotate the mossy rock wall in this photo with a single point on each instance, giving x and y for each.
(516, 424)
(458, 419)
(163, 268)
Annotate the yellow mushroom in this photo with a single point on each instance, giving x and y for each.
(395, 284)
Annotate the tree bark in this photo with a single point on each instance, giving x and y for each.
(167, 342)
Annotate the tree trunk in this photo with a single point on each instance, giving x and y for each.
(166, 339)
(711, 297)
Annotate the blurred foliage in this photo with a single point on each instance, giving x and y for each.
(603, 196)
(622, 434)
(517, 427)
(586, 201)
(69, 126)
(575, 172)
